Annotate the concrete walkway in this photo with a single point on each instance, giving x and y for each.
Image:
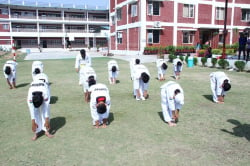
(59, 53)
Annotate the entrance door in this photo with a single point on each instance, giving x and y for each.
(205, 37)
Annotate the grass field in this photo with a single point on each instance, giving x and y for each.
(207, 134)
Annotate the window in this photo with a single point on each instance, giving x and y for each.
(188, 10)
(119, 14)
(154, 8)
(150, 9)
(113, 20)
(153, 36)
(4, 11)
(188, 37)
(220, 13)
(133, 10)
(245, 14)
(6, 26)
(119, 37)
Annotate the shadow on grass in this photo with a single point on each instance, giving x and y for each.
(22, 85)
(117, 81)
(208, 97)
(53, 99)
(111, 118)
(240, 130)
(56, 124)
(161, 116)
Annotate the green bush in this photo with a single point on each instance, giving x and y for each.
(214, 61)
(201, 53)
(240, 65)
(217, 51)
(181, 57)
(203, 61)
(171, 57)
(195, 61)
(223, 63)
(171, 49)
(230, 51)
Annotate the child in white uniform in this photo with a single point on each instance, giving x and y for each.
(113, 71)
(172, 99)
(38, 103)
(220, 83)
(99, 104)
(9, 71)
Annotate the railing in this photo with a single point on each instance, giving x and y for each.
(74, 18)
(59, 18)
(23, 17)
(24, 30)
(99, 19)
(50, 18)
(76, 31)
(51, 30)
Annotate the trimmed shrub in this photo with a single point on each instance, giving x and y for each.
(181, 58)
(203, 61)
(240, 65)
(214, 61)
(223, 63)
(217, 51)
(195, 61)
(171, 57)
(201, 53)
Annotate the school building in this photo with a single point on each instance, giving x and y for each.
(136, 24)
(26, 24)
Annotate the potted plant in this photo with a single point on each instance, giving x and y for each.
(214, 61)
(203, 61)
(240, 65)
(223, 63)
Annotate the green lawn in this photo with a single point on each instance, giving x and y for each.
(207, 133)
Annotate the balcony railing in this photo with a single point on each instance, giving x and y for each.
(75, 18)
(24, 30)
(23, 17)
(51, 30)
(59, 18)
(50, 18)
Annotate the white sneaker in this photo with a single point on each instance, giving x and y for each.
(138, 99)
(142, 98)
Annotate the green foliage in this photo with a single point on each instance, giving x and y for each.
(195, 61)
(205, 46)
(217, 51)
(223, 63)
(230, 51)
(203, 61)
(171, 57)
(171, 49)
(161, 52)
(186, 58)
(201, 53)
(240, 65)
(214, 61)
(181, 58)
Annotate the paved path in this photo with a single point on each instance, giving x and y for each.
(57, 53)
